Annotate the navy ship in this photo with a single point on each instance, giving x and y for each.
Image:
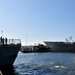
(9, 49)
(60, 46)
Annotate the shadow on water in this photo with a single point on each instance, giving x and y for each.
(8, 70)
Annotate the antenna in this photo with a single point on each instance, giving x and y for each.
(26, 39)
(2, 33)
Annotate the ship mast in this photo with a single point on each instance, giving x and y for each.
(26, 39)
(2, 33)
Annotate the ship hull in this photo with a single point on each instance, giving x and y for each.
(8, 54)
(61, 46)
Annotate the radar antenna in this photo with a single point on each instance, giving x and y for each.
(70, 38)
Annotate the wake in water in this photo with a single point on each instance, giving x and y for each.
(43, 64)
(40, 69)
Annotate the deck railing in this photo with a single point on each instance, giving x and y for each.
(14, 41)
(10, 41)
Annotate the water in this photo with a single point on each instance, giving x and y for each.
(43, 64)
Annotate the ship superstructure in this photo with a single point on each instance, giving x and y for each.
(61, 46)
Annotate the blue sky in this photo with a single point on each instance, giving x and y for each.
(40, 19)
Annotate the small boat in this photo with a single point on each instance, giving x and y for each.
(26, 50)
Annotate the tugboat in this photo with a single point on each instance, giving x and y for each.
(9, 49)
(41, 48)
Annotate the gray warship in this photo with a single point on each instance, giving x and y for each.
(9, 49)
(60, 46)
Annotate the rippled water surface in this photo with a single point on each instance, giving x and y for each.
(43, 64)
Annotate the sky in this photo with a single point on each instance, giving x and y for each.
(35, 21)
